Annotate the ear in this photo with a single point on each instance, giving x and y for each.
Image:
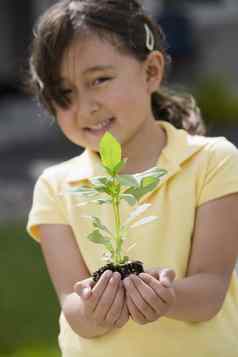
(154, 70)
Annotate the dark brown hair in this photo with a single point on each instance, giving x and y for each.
(122, 22)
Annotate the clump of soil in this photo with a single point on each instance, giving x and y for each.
(135, 267)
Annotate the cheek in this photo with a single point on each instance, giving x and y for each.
(64, 117)
(65, 122)
(127, 98)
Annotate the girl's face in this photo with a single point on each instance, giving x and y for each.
(107, 90)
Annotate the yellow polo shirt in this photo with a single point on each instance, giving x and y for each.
(199, 169)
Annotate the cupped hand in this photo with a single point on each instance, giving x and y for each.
(104, 303)
(150, 295)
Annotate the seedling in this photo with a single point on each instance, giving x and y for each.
(111, 189)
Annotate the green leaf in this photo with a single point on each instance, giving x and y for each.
(149, 186)
(97, 223)
(102, 201)
(144, 221)
(119, 166)
(97, 237)
(99, 180)
(100, 183)
(154, 171)
(149, 180)
(110, 151)
(130, 199)
(99, 201)
(83, 190)
(128, 180)
(141, 191)
(86, 194)
(136, 192)
(109, 171)
(114, 189)
(101, 189)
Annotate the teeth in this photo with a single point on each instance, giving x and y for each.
(101, 125)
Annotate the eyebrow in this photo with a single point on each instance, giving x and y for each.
(97, 68)
(92, 69)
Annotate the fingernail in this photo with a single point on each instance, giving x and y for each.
(117, 275)
(166, 283)
(86, 293)
(107, 273)
(126, 281)
(142, 275)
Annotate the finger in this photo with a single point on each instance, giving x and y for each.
(84, 288)
(166, 295)
(124, 317)
(86, 293)
(117, 306)
(148, 294)
(135, 313)
(167, 277)
(138, 299)
(101, 284)
(106, 300)
(98, 289)
(155, 272)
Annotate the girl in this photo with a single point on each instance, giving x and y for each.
(98, 65)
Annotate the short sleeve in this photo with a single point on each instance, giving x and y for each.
(221, 176)
(46, 207)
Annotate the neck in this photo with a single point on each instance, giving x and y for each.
(144, 150)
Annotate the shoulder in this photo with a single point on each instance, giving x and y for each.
(217, 169)
(58, 174)
(214, 148)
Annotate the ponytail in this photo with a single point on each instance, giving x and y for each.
(179, 110)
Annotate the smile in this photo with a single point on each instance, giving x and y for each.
(101, 127)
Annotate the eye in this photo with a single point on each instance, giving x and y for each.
(66, 92)
(64, 97)
(100, 80)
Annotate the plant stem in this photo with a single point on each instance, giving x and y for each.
(116, 211)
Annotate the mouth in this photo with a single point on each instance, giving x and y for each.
(101, 128)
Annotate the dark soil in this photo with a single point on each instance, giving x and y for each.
(135, 267)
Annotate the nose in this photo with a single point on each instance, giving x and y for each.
(86, 106)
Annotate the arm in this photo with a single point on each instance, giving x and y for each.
(70, 275)
(200, 295)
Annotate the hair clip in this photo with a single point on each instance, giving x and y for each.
(35, 77)
(40, 84)
(150, 40)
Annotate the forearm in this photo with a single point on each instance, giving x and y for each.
(198, 297)
(72, 309)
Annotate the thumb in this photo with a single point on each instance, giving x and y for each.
(155, 272)
(167, 277)
(84, 288)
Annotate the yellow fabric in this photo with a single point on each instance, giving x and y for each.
(199, 169)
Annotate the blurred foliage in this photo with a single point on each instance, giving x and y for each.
(217, 101)
(36, 351)
(29, 308)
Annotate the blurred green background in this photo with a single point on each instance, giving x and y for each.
(28, 306)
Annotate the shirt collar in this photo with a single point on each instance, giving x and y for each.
(180, 147)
